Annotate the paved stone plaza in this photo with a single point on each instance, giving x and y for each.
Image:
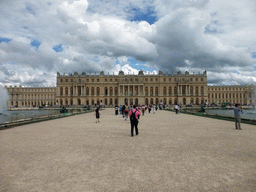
(171, 153)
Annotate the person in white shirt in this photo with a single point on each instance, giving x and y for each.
(177, 108)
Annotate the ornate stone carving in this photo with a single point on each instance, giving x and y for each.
(141, 72)
(102, 73)
(83, 73)
(160, 73)
(121, 72)
(75, 73)
(178, 73)
(186, 73)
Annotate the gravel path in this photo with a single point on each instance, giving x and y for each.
(171, 153)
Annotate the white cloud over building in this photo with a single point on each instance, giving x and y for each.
(39, 38)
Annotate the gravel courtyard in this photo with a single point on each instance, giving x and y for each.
(171, 153)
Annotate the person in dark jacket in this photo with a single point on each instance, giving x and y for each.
(134, 116)
(97, 114)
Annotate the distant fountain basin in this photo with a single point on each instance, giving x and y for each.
(4, 98)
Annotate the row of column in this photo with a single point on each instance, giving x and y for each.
(235, 96)
(30, 97)
(188, 88)
(131, 90)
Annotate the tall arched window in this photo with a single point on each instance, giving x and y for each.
(156, 91)
(196, 91)
(175, 90)
(202, 90)
(191, 90)
(151, 91)
(170, 91)
(164, 91)
(146, 91)
(111, 91)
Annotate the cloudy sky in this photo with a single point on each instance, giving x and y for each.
(40, 37)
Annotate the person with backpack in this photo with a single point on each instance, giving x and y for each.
(134, 116)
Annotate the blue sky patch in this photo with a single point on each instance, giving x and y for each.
(149, 16)
(58, 48)
(2, 39)
(254, 54)
(96, 59)
(140, 65)
(31, 8)
(35, 44)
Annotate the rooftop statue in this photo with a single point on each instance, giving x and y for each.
(121, 72)
(141, 72)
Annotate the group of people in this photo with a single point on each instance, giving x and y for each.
(132, 112)
(125, 109)
(135, 112)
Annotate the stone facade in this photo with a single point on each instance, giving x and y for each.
(244, 95)
(31, 96)
(131, 89)
(88, 89)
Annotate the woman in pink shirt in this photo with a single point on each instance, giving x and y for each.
(134, 116)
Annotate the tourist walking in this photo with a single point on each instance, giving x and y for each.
(120, 110)
(97, 114)
(154, 109)
(126, 112)
(176, 108)
(149, 109)
(134, 116)
(116, 110)
(143, 110)
(237, 114)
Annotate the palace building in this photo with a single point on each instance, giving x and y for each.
(141, 89)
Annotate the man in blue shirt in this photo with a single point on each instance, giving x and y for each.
(237, 114)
